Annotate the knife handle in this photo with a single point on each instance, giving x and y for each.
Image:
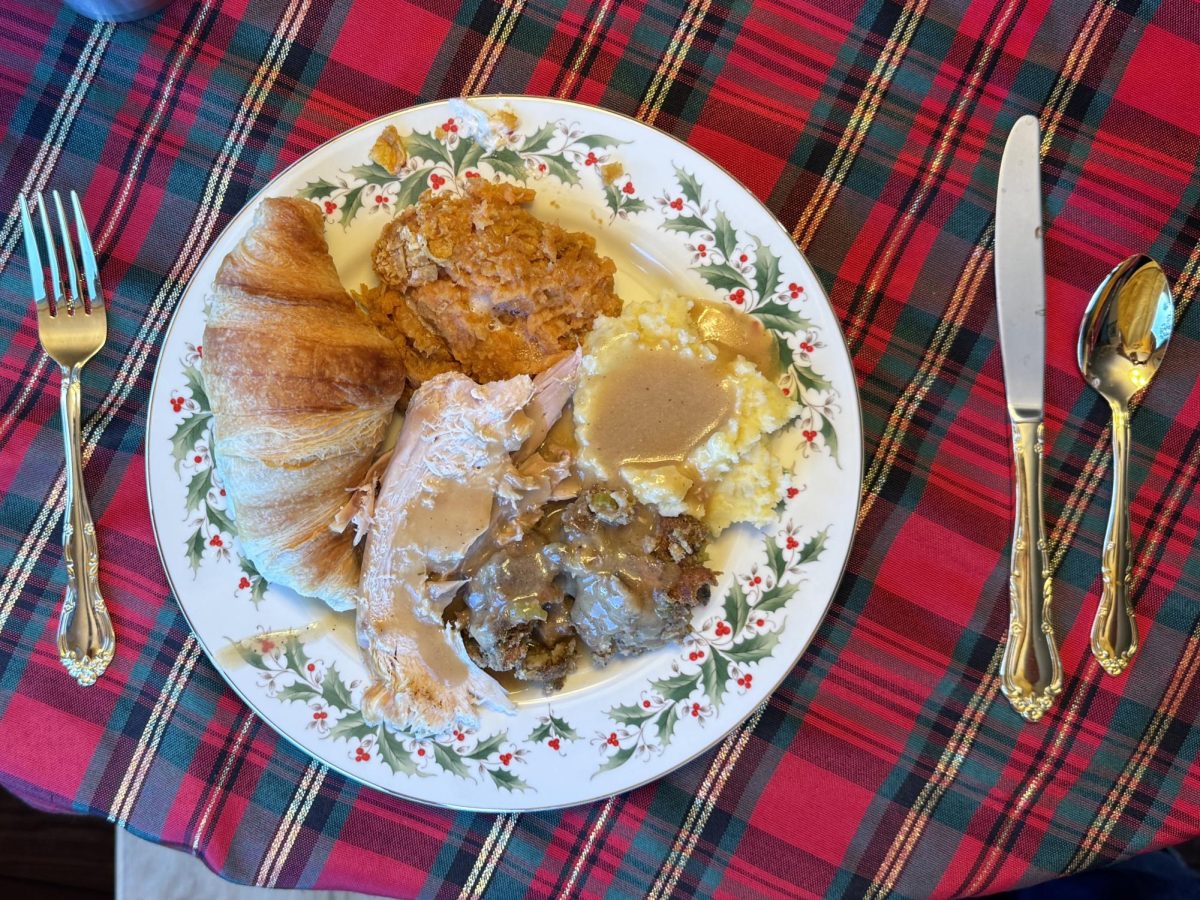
(1031, 675)
(1114, 631)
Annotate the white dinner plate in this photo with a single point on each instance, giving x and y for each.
(670, 219)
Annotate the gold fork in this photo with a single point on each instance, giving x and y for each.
(72, 328)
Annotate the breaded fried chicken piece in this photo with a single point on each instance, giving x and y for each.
(479, 280)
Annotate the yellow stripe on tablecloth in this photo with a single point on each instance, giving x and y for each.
(588, 42)
(897, 239)
(680, 55)
(498, 48)
(485, 866)
(859, 123)
(664, 64)
(593, 833)
(285, 823)
(468, 88)
(955, 752)
(218, 787)
(702, 807)
(298, 819)
(143, 753)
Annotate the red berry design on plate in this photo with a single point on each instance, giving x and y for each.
(646, 704)
(472, 174)
(459, 736)
(361, 755)
(330, 207)
(787, 392)
(505, 758)
(795, 290)
(381, 198)
(677, 204)
(612, 739)
(311, 667)
(222, 492)
(215, 541)
(702, 249)
(420, 751)
(695, 710)
(198, 459)
(738, 296)
(436, 181)
(541, 167)
(792, 492)
(553, 743)
(628, 187)
(723, 629)
(743, 259)
(244, 583)
(176, 404)
(267, 645)
(810, 435)
(320, 716)
(792, 543)
(591, 159)
(760, 622)
(807, 347)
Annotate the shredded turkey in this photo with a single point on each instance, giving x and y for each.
(452, 467)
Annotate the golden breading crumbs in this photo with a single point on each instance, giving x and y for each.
(390, 151)
(476, 281)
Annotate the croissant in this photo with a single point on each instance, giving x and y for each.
(302, 388)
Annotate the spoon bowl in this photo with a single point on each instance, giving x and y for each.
(1126, 329)
(1122, 341)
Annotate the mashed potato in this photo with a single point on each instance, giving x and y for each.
(679, 420)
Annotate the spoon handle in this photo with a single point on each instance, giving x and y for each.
(1031, 673)
(1114, 631)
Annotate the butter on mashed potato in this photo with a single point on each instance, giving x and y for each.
(680, 419)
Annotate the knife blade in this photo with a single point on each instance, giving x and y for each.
(1020, 271)
(1031, 673)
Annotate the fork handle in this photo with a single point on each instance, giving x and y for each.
(85, 633)
(1114, 631)
(1031, 671)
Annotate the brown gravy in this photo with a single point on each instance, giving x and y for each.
(737, 334)
(654, 407)
(561, 435)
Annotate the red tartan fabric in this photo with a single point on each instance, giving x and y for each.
(887, 763)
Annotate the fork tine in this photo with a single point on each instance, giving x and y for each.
(68, 254)
(36, 273)
(51, 252)
(91, 275)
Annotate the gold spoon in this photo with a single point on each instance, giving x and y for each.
(1122, 341)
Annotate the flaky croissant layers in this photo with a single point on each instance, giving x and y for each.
(302, 388)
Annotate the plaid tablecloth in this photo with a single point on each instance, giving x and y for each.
(888, 763)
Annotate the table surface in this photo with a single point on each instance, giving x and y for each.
(888, 762)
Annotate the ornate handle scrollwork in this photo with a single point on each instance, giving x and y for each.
(85, 633)
(1114, 630)
(1031, 674)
